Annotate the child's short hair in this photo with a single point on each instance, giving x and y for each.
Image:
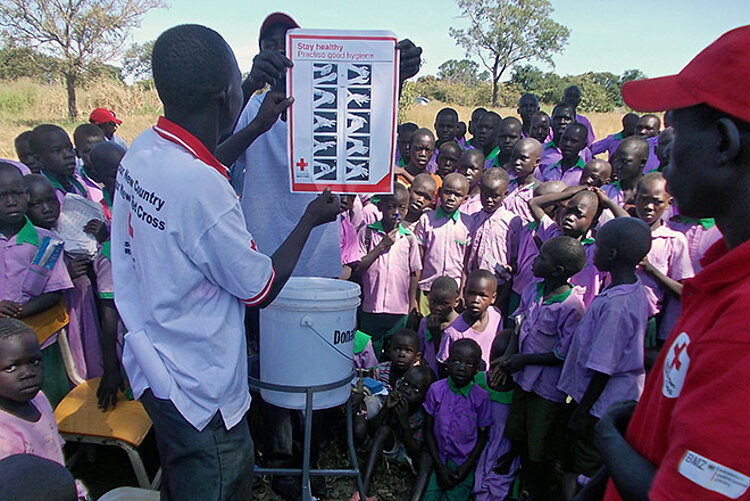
(31, 180)
(470, 343)
(568, 253)
(445, 283)
(447, 111)
(449, 144)
(23, 136)
(549, 187)
(11, 327)
(563, 106)
(422, 132)
(407, 127)
(86, 130)
(495, 175)
(426, 178)
(397, 188)
(481, 274)
(577, 126)
(630, 236)
(638, 143)
(407, 334)
(473, 153)
(191, 63)
(38, 138)
(650, 178)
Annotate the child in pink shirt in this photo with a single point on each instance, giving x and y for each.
(444, 237)
(627, 165)
(389, 269)
(471, 166)
(28, 288)
(480, 321)
(447, 159)
(667, 264)
(523, 162)
(27, 423)
(443, 302)
(605, 360)
(491, 247)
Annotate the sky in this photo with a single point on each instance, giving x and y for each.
(657, 36)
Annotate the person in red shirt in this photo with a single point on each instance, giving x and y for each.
(689, 435)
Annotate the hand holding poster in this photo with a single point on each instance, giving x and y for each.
(342, 125)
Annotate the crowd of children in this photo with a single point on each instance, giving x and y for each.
(514, 286)
(545, 282)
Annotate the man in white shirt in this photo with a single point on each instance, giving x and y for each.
(184, 268)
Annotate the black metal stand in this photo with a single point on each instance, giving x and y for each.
(305, 471)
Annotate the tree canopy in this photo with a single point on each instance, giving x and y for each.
(81, 33)
(503, 33)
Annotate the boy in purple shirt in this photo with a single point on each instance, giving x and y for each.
(446, 126)
(480, 321)
(605, 360)
(444, 237)
(528, 104)
(667, 263)
(547, 318)
(389, 266)
(609, 143)
(523, 163)
(443, 302)
(25, 153)
(596, 173)
(568, 169)
(471, 166)
(456, 425)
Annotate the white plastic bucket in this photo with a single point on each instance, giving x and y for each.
(307, 339)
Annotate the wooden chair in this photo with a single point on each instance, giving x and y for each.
(79, 419)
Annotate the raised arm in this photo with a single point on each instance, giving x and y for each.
(537, 204)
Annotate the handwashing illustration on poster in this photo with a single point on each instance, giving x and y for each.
(342, 125)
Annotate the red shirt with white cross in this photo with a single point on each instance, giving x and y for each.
(693, 421)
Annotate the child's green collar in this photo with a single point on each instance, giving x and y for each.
(27, 234)
(441, 213)
(559, 298)
(378, 226)
(464, 390)
(501, 397)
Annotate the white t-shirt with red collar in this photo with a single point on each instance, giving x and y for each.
(184, 266)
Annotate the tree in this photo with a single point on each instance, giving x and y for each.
(82, 33)
(136, 61)
(464, 72)
(503, 33)
(527, 77)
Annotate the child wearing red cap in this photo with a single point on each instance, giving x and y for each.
(689, 435)
(108, 122)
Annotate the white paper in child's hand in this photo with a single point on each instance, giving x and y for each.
(75, 213)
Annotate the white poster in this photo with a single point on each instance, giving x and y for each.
(342, 125)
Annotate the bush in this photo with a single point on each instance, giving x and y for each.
(17, 98)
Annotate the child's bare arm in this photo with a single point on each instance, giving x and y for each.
(537, 204)
(668, 284)
(610, 204)
(471, 462)
(593, 392)
(413, 448)
(273, 105)
(39, 304)
(413, 284)
(112, 378)
(441, 471)
(515, 363)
